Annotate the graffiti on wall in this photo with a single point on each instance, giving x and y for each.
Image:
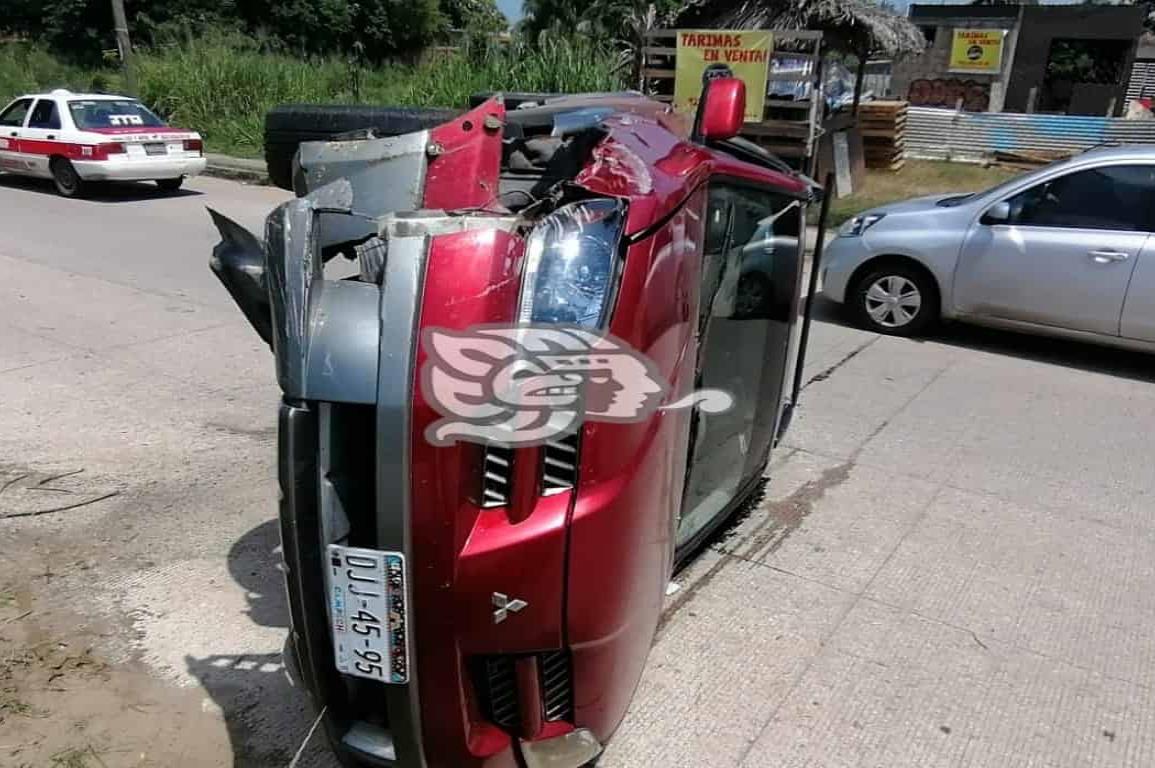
(941, 92)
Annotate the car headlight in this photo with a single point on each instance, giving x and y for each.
(859, 224)
(571, 264)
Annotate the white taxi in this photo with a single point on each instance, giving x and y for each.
(77, 138)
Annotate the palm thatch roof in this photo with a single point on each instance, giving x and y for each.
(855, 26)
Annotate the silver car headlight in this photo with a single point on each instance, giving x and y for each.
(859, 224)
(571, 264)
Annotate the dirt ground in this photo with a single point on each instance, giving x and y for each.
(72, 693)
(142, 615)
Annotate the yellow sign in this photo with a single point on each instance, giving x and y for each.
(745, 51)
(978, 51)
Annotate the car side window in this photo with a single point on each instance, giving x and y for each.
(1119, 197)
(13, 117)
(748, 299)
(745, 229)
(45, 115)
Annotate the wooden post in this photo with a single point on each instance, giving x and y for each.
(124, 45)
(858, 81)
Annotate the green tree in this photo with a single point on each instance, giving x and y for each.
(474, 16)
(623, 23)
(81, 29)
(78, 28)
(384, 28)
(609, 17)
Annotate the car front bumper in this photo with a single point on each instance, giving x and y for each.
(842, 256)
(140, 170)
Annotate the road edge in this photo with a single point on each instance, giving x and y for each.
(237, 168)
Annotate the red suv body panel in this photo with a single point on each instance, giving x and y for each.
(586, 563)
(592, 564)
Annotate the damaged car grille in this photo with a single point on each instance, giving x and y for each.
(559, 469)
(500, 692)
(497, 476)
(559, 464)
(497, 688)
(556, 685)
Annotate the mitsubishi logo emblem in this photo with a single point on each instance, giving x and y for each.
(503, 606)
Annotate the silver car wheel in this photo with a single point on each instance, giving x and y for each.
(893, 301)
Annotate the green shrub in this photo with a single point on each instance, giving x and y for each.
(222, 85)
(27, 68)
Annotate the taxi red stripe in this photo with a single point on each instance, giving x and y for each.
(71, 150)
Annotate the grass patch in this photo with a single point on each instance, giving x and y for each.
(917, 178)
(222, 85)
(76, 758)
(25, 67)
(11, 704)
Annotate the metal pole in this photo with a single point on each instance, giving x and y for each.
(812, 288)
(124, 46)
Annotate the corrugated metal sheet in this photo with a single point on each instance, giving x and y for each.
(944, 134)
(1142, 82)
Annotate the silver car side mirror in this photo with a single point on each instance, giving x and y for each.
(999, 213)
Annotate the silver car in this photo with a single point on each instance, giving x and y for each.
(1066, 250)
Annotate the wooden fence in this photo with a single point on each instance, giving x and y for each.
(790, 126)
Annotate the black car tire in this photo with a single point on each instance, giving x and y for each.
(894, 299)
(288, 125)
(67, 180)
(170, 185)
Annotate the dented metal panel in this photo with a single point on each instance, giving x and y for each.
(385, 175)
(294, 272)
(343, 345)
(366, 163)
(465, 159)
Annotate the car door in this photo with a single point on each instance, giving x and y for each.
(1065, 255)
(1138, 320)
(11, 125)
(750, 296)
(40, 138)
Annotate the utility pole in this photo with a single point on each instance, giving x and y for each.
(124, 45)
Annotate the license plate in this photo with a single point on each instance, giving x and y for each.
(156, 149)
(367, 605)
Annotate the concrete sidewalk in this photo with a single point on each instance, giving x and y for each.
(953, 565)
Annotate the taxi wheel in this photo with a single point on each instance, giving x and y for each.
(170, 185)
(67, 180)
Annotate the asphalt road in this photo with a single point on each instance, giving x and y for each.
(953, 563)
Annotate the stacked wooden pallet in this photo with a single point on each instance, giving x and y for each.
(1029, 160)
(883, 127)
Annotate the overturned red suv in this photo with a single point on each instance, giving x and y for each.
(556, 362)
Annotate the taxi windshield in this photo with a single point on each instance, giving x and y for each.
(110, 113)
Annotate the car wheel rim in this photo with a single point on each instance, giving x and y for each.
(66, 179)
(893, 301)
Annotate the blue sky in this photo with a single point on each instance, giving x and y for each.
(511, 9)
